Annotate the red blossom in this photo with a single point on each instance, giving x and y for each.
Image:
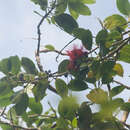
(74, 55)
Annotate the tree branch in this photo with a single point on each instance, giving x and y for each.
(16, 126)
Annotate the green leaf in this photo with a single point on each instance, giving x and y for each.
(117, 90)
(114, 21)
(28, 66)
(88, 1)
(77, 85)
(21, 103)
(39, 90)
(5, 101)
(11, 64)
(61, 87)
(74, 14)
(79, 7)
(36, 107)
(124, 54)
(66, 22)
(126, 107)
(43, 3)
(101, 37)
(50, 47)
(62, 5)
(6, 127)
(68, 107)
(63, 66)
(123, 6)
(98, 96)
(119, 69)
(75, 123)
(85, 36)
(85, 116)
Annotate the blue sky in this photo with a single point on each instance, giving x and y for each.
(18, 26)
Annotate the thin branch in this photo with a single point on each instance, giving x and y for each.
(3, 112)
(122, 84)
(65, 47)
(125, 41)
(125, 115)
(16, 126)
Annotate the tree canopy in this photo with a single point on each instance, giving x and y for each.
(91, 67)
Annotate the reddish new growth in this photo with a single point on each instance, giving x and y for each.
(75, 54)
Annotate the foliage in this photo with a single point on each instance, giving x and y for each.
(96, 62)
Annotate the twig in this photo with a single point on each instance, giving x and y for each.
(125, 115)
(122, 84)
(56, 51)
(125, 41)
(39, 36)
(2, 113)
(65, 47)
(16, 126)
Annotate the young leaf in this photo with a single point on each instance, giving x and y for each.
(74, 14)
(114, 21)
(77, 85)
(50, 47)
(98, 96)
(63, 66)
(85, 36)
(79, 7)
(117, 90)
(88, 1)
(66, 22)
(124, 54)
(28, 66)
(123, 6)
(36, 107)
(22, 103)
(61, 87)
(119, 69)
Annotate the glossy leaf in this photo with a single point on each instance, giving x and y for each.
(36, 107)
(39, 90)
(101, 37)
(119, 69)
(77, 85)
(114, 21)
(66, 22)
(50, 47)
(61, 87)
(21, 104)
(85, 116)
(63, 66)
(85, 36)
(67, 108)
(117, 90)
(123, 6)
(98, 96)
(124, 54)
(79, 7)
(28, 66)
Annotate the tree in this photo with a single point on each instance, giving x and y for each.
(96, 62)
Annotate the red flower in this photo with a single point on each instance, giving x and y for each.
(74, 55)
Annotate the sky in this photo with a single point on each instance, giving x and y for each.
(18, 31)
